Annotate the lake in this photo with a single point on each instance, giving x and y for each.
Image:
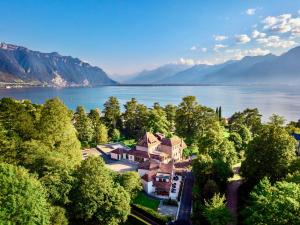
(282, 100)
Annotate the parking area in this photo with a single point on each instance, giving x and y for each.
(122, 166)
(90, 152)
(175, 187)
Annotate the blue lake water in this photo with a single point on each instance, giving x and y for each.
(282, 100)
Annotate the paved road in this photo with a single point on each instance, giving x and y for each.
(232, 196)
(186, 201)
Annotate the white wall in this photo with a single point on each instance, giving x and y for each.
(114, 156)
(148, 186)
(142, 172)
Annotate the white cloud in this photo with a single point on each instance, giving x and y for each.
(242, 39)
(238, 54)
(192, 62)
(251, 11)
(204, 49)
(275, 42)
(193, 48)
(257, 34)
(220, 37)
(219, 46)
(282, 24)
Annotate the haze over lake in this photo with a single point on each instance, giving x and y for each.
(282, 100)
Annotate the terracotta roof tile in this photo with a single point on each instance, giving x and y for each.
(148, 140)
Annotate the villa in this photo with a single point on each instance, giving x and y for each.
(156, 156)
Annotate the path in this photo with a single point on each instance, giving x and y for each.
(232, 195)
(186, 201)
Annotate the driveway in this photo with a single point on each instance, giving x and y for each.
(186, 201)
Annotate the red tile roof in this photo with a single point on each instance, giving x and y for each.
(139, 153)
(148, 140)
(162, 186)
(166, 168)
(149, 176)
(119, 151)
(175, 140)
(149, 165)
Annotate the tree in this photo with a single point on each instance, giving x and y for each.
(95, 118)
(131, 182)
(135, 119)
(251, 118)
(22, 198)
(83, 125)
(58, 216)
(157, 121)
(57, 132)
(210, 189)
(269, 154)
(96, 199)
(101, 134)
(276, 120)
(115, 135)
(216, 212)
(274, 205)
(112, 113)
(171, 115)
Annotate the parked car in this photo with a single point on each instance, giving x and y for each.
(176, 178)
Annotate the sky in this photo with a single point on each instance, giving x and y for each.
(126, 36)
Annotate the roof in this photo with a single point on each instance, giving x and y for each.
(166, 167)
(175, 140)
(119, 151)
(165, 186)
(148, 140)
(149, 176)
(139, 153)
(296, 136)
(149, 165)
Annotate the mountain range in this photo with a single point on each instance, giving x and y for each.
(21, 65)
(267, 69)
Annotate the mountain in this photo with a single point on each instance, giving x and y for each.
(156, 75)
(235, 72)
(19, 64)
(194, 74)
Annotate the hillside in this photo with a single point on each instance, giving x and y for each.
(19, 64)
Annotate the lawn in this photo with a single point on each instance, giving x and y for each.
(144, 200)
(129, 142)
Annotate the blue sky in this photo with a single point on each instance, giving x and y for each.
(125, 36)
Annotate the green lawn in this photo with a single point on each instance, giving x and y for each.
(129, 142)
(133, 220)
(144, 200)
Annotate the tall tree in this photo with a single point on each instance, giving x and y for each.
(171, 115)
(83, 125)
(96, 199)
(95, 117)
(274, 205)
(58, 132)
(269, 154)
(216, 212)
(276, 120)
(112, 113)
(101, 134)
(157, 121)
(22, 198)
(131, 182)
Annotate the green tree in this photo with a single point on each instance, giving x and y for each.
(251, 118)
(96, 199)
(269, 154)
(58, 216)
(58, 133)
(101, 134)
(116, 135)
(131, 182)
(216, 212)
(157, 121)
(95, 117)
(112, 113)
(171, 115)
(22, 198)
(83, 125)
(273, 205)
(276, 120)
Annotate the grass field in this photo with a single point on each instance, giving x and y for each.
(144, 200)
(129, 142)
